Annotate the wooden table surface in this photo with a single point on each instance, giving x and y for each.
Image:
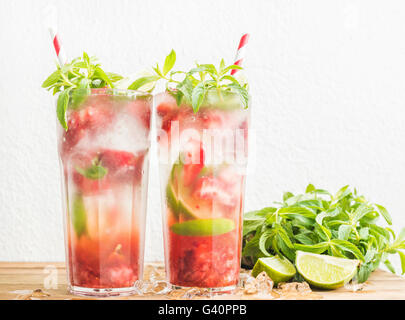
(19, 279)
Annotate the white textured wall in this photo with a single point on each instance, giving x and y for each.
(327, 78)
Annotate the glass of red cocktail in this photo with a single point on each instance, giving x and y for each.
(104, 163)
(203, 169)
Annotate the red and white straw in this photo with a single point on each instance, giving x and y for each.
(240, 54)
(50, 20)
(60, 52)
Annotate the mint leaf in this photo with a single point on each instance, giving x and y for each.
(86, 59)
(102, 75)
(389, 266)
(230, 78)
(348, 246)
(142, 81)
(310, 188)
(364, 272)
(242, 92)
(344, 232)
(51, 80)
(222, 66)
(209, 68)
(231, 67)
(114, 76)
(95, 172)
(384, 213)
(61, 107)
(402, 257)
(186, 88)
(197, 96)
(169, 62)
(315, 248)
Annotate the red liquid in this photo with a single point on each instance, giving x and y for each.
(104, 263)
(206, 262)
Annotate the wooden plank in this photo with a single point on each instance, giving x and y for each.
(18, 277)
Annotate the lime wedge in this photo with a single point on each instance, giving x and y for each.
(279, 269)
(79, 217)
(203, 227)
(325, 271)
(180, 201)
(171, 198)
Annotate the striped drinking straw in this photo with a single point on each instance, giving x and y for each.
(60, 52)
(50, 19)
(240, 54)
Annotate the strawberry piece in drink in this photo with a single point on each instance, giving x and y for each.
(193, 159)
(141, 110)
(167, 112)
(214, 189)
(86, 121)
(123, 165)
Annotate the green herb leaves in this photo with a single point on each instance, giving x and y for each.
(61, 107)
(169, 62)
(95, 172)
(82, 73)
(193, 86)
(341, 225)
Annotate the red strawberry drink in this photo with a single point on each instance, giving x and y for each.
(104, 158)
(202, 163)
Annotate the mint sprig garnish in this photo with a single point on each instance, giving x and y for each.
(81, 73)
(95, 172)
(194, 84)
(343, 225)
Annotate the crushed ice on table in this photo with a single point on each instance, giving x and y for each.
(190, 293)
(294, 287)
(261, 285)
(36, 294)
(354, 285)
(296, 290)
(154, 282)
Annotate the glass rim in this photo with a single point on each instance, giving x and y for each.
(112, 91)
(188, 104)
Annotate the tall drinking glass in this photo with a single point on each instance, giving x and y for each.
(104, 164)
(202, 159)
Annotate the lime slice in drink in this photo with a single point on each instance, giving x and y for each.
(78, 214)
(203, 227)
(279, 269)
(325, 271)
(171, 198)
(181, 201)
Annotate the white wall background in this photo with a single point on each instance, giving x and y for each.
(327, 78)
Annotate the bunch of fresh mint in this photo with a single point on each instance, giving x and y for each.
(196, 83)
(73, 80)
(342, 225)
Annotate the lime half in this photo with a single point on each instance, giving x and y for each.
(325, 271)
(277, 268)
